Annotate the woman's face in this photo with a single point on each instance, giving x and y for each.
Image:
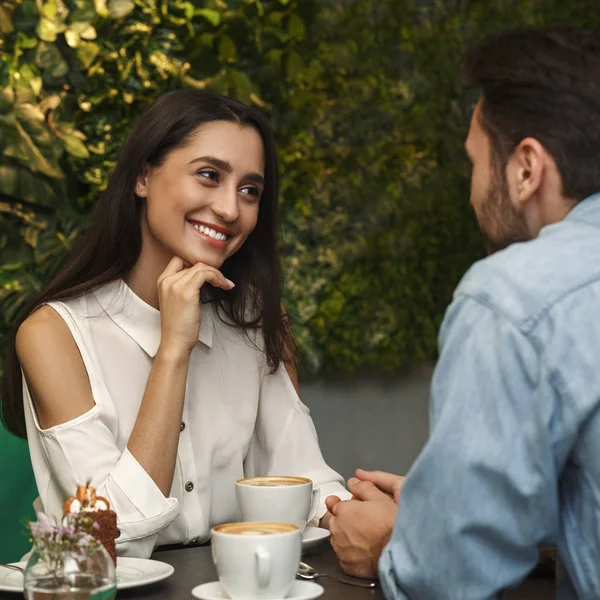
(202, 202)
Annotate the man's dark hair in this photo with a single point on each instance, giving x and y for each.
(544, 84)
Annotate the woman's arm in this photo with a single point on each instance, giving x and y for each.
(60, 386)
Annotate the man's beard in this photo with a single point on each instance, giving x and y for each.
(500, 222)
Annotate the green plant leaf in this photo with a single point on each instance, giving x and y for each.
(72, 38)
(296, 27)
(21, 184)
(7, 98)
(25, 150)
(25, 42)
(47, 30)
(49, 58)
(295, 66)
(119, 9)
(227, 49)
(75, 147)
(212, 16)
(87, 53)
(6, 24)
(242, 85)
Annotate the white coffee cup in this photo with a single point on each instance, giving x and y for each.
(256, 561)
(280, 499)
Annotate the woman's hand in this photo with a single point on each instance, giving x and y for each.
(179, 301)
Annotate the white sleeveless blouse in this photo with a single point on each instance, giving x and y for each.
(238, 421)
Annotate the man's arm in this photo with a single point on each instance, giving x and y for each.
(482, 495)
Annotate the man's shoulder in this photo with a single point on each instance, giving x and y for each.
(528, 279)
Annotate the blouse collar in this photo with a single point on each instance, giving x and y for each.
(140, 321)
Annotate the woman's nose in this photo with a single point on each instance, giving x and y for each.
(225, 205)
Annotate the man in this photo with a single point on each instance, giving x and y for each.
(513, 460)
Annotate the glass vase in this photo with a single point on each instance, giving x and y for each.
(70, 575)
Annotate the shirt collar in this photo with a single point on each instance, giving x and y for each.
(588, 210)
(140, 321)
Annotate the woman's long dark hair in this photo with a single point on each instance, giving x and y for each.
(111, 245)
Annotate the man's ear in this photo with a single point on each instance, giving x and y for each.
(526, 166)
(141, 183)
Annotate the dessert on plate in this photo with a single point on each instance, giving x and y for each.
(93, 514)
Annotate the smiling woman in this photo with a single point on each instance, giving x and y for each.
(157, 364)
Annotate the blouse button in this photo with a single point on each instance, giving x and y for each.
(195, 541)
(182, 426)
(118, 533)
(189, 486)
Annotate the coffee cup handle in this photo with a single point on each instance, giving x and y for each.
(316, 496)
(263, 567)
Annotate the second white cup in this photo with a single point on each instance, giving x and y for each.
(281, 499)
(256, 561)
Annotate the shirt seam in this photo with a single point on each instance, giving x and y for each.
(530, 322)
(554, 377)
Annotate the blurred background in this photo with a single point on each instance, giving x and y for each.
(370, 116)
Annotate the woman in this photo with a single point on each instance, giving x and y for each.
(157, 362)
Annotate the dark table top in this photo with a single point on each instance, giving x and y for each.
(194, 566)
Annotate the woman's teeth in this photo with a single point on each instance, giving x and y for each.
(210, 232)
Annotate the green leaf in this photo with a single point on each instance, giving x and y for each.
(85, 30)
(25, 42)
(242, 85)
(119, 9)
(49, 9)
(296, 27)
(22, 184)
(47, 30)
(36, 85)
(295, 66)
(84, 14)
(50, 103)
(188, 10)
(49, 58)
(24, 149)
(72, 38)
(7, 98)
(227, 49)
(75, 147)
(212, 16)
(26, 16)
(87, 53)
(6, 24)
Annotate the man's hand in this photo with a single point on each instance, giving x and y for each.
(386, 482)
(361, 528)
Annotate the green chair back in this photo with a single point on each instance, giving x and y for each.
(17, 493)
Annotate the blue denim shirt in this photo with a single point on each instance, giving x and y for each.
(513, 460)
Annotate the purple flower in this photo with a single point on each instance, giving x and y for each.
(42, 527)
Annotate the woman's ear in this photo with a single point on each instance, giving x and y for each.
(141, 184)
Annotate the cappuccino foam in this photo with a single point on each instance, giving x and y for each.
(274, 481)
(255, 528)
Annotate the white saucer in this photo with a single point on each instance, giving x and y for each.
(313, 536)
(131, 572)
(301, 590)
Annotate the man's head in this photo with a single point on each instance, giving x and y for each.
(534, 140)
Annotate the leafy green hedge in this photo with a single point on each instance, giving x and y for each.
(370, 118)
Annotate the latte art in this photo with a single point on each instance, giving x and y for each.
(258, 528)
(274, 481)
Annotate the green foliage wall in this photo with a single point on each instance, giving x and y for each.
(370, 117)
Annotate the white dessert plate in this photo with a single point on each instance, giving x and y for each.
(131, 572)
(313, 536)
(301, 590)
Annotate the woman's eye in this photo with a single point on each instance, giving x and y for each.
(250, 190)
(208, 174)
